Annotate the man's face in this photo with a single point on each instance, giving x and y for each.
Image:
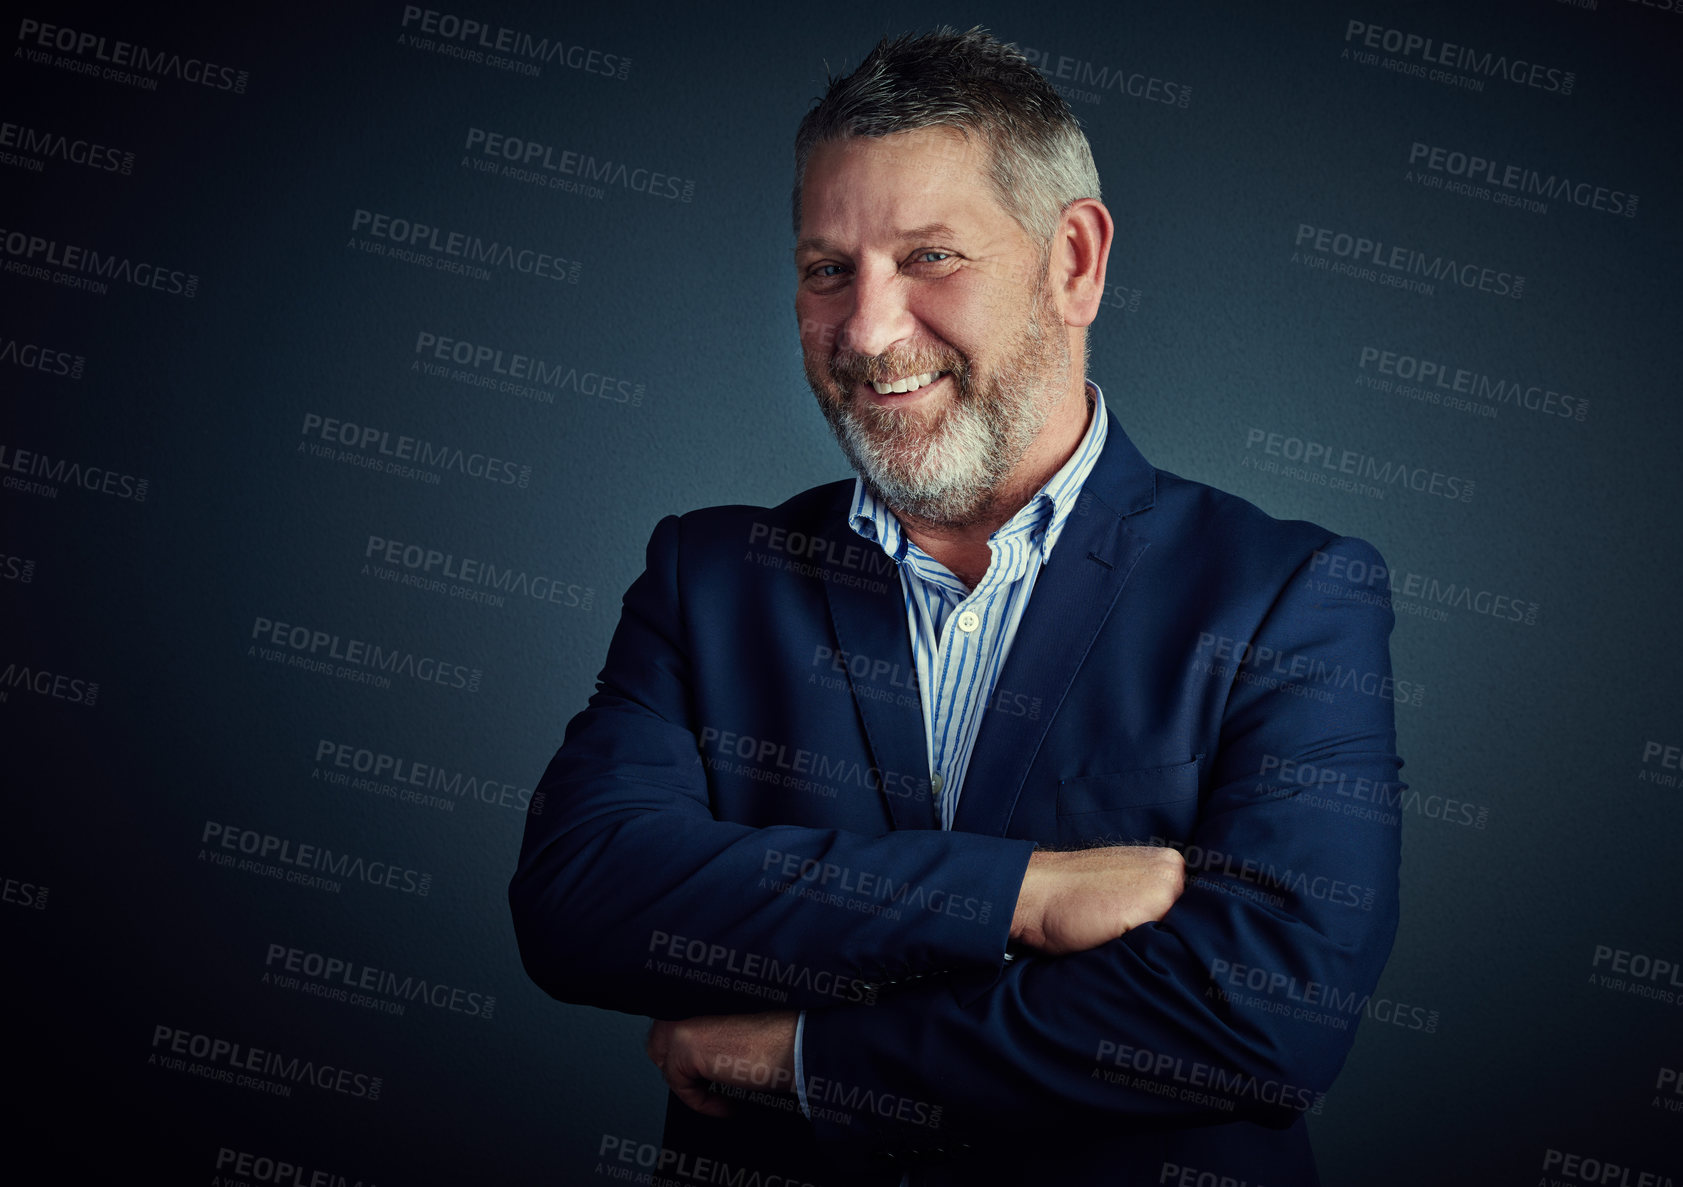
(907, 268)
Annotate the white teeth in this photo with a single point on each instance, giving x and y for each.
(909, 384)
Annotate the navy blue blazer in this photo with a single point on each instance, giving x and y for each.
(741, 820)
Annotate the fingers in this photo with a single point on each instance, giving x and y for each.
(1169, 872)
(696, 1096)
(670, 1049)
(1177, 871)
(1097, 895)
(1161, 882)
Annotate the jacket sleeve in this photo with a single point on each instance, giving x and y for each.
(1242, 1002)
(632, 896)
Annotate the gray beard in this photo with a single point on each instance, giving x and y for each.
(948, 468)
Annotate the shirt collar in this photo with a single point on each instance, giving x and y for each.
(871, 518)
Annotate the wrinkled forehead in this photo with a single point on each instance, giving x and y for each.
(854, 184)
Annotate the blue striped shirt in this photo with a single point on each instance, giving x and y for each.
(960, 636)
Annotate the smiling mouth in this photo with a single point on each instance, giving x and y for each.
(908, 383)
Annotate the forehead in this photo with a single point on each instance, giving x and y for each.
(861, 187)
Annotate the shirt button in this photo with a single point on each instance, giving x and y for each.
(968, 621)
(936, 783)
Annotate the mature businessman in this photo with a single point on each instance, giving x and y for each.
(1015, 773)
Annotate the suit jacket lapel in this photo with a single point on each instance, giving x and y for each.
(870, 621)
(1073, 596)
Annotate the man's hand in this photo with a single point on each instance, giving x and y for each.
(1075, 900)
(754, 1051)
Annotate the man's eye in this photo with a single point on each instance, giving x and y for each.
(943, 254)
(823, 275)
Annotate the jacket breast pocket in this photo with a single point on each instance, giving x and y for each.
(1129, 807)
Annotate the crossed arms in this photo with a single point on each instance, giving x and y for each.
(1069, 902)
(1119, 997)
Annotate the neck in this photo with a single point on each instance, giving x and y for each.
(963, 548)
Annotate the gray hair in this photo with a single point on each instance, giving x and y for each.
(1038, 160)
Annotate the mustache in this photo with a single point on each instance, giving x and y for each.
(849, 370)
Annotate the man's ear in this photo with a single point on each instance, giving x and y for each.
(1080, 251)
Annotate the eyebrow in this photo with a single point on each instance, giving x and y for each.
(927, 231)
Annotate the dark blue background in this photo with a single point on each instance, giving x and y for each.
(1543, 726)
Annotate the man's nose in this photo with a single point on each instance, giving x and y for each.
(880, 315)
